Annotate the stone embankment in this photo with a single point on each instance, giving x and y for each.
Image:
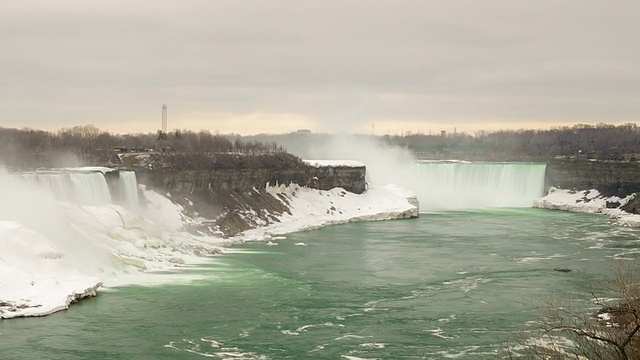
(610, 178)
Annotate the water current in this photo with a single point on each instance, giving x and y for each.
(451, 284)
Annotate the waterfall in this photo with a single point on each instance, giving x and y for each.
(58, 184)
(86, 187)
(461, 185)
(90, 188)
(128, 189)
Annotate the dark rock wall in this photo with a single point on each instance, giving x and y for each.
(610, 178)
(323, 178)
(235, 200)
(349, 178)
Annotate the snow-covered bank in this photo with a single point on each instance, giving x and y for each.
(53, 260)
(54, 252)
(35, 278)
(590, 201)
(311, 208)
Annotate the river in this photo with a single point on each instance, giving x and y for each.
(451, 284)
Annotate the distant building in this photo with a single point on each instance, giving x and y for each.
(585, 155)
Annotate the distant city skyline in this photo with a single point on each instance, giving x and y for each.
(335, 66)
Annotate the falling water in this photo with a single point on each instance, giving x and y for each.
(86, 187)
(461, 185)
(90, 188)
(129, 189)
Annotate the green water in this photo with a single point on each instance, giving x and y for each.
(452, 284)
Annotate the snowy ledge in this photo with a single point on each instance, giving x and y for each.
(589, 201)
(334, 163)
(83, 169)
(312, 209)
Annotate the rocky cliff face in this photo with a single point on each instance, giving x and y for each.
(351, 179)
(236, 200)
(610, 178)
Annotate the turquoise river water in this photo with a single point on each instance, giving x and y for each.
(447, 285)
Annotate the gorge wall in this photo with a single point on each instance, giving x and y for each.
(235, 199)
(608, 177)
(350, 178)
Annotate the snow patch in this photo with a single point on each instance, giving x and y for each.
(589, 201)
(334, 163)
(312, 209)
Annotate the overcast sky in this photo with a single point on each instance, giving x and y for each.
(331, 66)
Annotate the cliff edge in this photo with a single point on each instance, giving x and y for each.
(236, 193)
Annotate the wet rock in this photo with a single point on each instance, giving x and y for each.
(613, 204)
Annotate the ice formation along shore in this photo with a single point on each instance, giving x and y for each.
(590, 201)
(65, 233)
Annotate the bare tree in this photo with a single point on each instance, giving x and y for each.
(607, 327)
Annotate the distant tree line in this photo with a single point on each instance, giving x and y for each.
(88, 145)
(184, 161)
(80, 145)
(603, 140)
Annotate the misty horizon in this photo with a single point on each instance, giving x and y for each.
(403, 132)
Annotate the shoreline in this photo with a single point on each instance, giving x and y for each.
(131, 247)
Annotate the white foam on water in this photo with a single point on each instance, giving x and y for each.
(438, 332)
(289, 332)
(447, 319)
(214, 349)
(350, 336)
(468, 350)
(467, 284)
(374, 345)
(304, 328)
(532, 259)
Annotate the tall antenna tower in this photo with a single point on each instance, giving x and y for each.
(164, 118)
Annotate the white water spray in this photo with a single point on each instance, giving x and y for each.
(438, 185)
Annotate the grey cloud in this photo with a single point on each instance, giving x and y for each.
(69, 62)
